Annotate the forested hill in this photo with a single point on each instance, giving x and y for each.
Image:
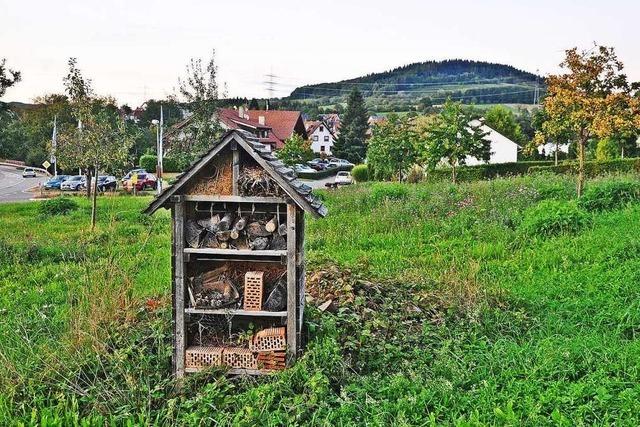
(433, 81)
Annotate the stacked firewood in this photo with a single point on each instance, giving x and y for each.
(237, 232)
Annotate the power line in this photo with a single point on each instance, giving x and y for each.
(456, 96)
(505, 80)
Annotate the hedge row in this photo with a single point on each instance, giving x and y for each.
(593, 168)
(169, 164)
(478, 172)
(322, 174)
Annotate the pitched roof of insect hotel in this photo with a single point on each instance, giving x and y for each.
(257, 160)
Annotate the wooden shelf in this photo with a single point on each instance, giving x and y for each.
(233, 199)
(235, 371)
(233, 252)
(237, 312)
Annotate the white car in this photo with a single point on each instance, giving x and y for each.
(74, 183)
(28, 173)
(340, 163)
(303, 168)
(344, 178)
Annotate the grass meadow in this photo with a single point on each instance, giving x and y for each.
(501, 302)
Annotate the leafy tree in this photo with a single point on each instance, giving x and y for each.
(393, 148)
(351, 141)
(504, 121)
(171, 111)
(202, 95)
(593, 99)
(253, 104)
(101, 140)
(295, 150)
(8, 77)
(607, 149)
(453, 137)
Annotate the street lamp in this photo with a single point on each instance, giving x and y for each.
(159, 149)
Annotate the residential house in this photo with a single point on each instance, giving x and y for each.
(503, 150)
(321, 136)
(271, 127)
(332, 121)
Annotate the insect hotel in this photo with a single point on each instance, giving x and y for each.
(237, 259)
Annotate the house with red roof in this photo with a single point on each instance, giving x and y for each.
(271, 127)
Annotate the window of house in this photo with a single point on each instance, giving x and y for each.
(326, 138)
(321, 128)
(315, 137)
(322, 148)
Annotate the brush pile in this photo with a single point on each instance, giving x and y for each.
(254, 232)
(255, 181)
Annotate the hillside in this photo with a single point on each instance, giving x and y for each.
(432, 82)
(447, 313)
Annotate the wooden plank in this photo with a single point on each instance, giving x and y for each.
(301, 271)
(234, 199)
(234, 252)
(225, 312)
(236, 166)
(179, 295)
(236, 371)
(292, 337)
(173, 285)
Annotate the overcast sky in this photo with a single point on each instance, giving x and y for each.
(136, 51)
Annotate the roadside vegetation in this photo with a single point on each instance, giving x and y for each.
(491, 302)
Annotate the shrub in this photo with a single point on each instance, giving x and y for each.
(594, 168)
(360, 173)
(551, 217)
(388, 191)
(57, 206)
(148, 162)
(415, 175)
(478, 172)
(609, 195)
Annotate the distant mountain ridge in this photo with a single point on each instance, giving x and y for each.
(465, 80)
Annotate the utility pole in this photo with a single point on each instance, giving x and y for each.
(270, 85)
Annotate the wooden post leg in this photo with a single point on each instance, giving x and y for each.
(178, 233)
(292, 338)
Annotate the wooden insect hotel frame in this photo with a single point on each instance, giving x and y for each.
(237, 258)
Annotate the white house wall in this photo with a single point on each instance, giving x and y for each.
(318, 140)
(503, 150)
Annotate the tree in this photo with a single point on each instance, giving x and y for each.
(453, 136)
(8, 77)
(593, 99)
(351, 141)
(502, 119)
(253, 104)
(295, 150)
(202, 95)
(101, 139)
(393, 148)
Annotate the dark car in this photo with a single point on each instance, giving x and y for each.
(106, 183)
(55, 182)
(318, 164)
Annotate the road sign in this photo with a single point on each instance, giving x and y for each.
(46, 164)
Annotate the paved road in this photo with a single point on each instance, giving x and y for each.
(319, 183)
(13, 187)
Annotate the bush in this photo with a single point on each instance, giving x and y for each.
(415, 175)
(148, 162)
(388, 191)
(593, 168)
(551, 217)
(609, 195)
(360, 173)
(57, 206)
(478, 172)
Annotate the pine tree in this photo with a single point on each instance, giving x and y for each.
(350, 144)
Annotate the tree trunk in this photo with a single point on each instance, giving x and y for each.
(453, 173)
(94, 199)
(556, 154)
(581, 147)
(88, 178)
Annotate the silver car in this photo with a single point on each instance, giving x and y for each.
(29, 173)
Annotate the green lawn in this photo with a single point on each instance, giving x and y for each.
(447, 313)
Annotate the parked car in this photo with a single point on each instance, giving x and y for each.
(344, 178)
(107, 182)
(300, 168)
(318, 164)
(340, 163)
(74, 183)
(55, 182)
(29, 173)
(127, 177)
(143, 181)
